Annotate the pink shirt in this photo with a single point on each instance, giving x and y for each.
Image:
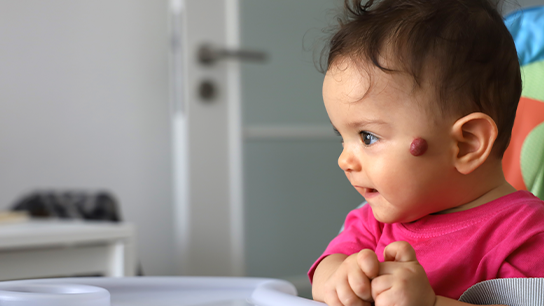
(500, 239)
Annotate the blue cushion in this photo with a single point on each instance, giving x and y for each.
(527, 29)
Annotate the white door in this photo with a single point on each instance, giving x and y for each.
(263, 193)
(206, 140)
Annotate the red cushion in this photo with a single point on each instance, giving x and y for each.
(530, 114)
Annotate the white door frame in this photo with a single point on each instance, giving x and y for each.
(207, 141)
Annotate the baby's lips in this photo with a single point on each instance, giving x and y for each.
(366, 191)
(365, 188)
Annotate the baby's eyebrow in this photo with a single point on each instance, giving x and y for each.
(361, 123)
(364, 123)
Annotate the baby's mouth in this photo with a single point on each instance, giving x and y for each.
(366, 191)
(370, 192)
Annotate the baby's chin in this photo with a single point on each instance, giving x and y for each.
(390, 217)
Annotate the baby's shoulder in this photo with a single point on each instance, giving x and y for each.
(521, 201)
(521, 212)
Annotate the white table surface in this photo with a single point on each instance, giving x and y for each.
(156, 291)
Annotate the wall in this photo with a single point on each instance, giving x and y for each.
(84, 105)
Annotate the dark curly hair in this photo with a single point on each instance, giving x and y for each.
(461, 47)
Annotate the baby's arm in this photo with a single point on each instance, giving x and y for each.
(345, 280)
(403, 281)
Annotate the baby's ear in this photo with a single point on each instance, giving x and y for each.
(475, 135)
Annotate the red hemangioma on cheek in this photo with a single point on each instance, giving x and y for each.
(418, 146)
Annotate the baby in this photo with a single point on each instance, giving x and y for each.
(424, 95)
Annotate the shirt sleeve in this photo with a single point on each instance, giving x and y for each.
(361, 231)
(526, 260)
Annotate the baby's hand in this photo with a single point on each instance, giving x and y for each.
(402, 281)
(349, 285)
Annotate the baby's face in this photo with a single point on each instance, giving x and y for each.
(378, 116)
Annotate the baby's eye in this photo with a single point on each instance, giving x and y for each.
(338, 134)
(368, 138)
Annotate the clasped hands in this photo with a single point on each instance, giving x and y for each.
(361, 280)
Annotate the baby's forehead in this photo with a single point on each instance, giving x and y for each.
(349, 82)
(361, 80)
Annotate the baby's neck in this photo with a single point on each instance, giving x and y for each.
(496, 186)
(493, 194)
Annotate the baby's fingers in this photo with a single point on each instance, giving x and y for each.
(346, 297)
(399, 251)
(360, 285)
(368, 262)
(380, 289)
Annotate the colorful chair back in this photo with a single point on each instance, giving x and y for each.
(523, 161)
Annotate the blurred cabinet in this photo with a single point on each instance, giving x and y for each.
(59, 248)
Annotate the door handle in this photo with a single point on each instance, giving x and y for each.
(208, 55)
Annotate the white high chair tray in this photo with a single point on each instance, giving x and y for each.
(151, 291)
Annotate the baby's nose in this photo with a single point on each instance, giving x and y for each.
(348, 160)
